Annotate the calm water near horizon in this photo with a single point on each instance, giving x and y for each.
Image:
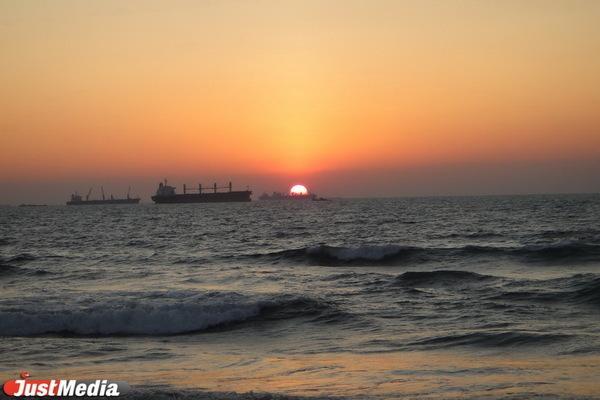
(445, 297)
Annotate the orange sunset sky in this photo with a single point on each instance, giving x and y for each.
(350, 97)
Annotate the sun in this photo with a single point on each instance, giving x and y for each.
(298, 190)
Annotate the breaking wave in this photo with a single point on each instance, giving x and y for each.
(332, 255)
(158, 314)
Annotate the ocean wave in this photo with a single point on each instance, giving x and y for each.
(490, 339)
(20, 258)
(332, 255)
(548, 252)
(10, 270)
(396, 254)
(167, 313)
(587, 292)
(589, 233)
(189, 260)
(575, 251)
(442, 277)
(6, 269)
(563, 251)
(576, 289)
(362, 253)
(471, 235)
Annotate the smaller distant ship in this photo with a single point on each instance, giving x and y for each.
(297, 192)
(32, 205)
(77, 200)
(200, 194)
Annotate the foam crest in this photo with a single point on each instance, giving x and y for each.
(158, 314)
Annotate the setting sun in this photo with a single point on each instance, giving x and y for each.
(298, 190)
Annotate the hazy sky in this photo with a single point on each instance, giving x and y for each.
(349, 97)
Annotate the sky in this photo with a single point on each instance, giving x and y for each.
(351, 98)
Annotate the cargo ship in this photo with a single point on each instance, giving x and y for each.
(200, 194)
(77, 200)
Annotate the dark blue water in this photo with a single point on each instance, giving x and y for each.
(92, 289)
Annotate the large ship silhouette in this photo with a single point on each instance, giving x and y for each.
(77, 200)
(200, 194)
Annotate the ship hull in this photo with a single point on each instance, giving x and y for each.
(219, 197)
(101, 202)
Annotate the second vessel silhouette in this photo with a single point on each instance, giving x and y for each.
(200, 194)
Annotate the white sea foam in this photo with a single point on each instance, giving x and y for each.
(148, 313)
(170, 315)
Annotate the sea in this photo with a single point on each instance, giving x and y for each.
(491, 297)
